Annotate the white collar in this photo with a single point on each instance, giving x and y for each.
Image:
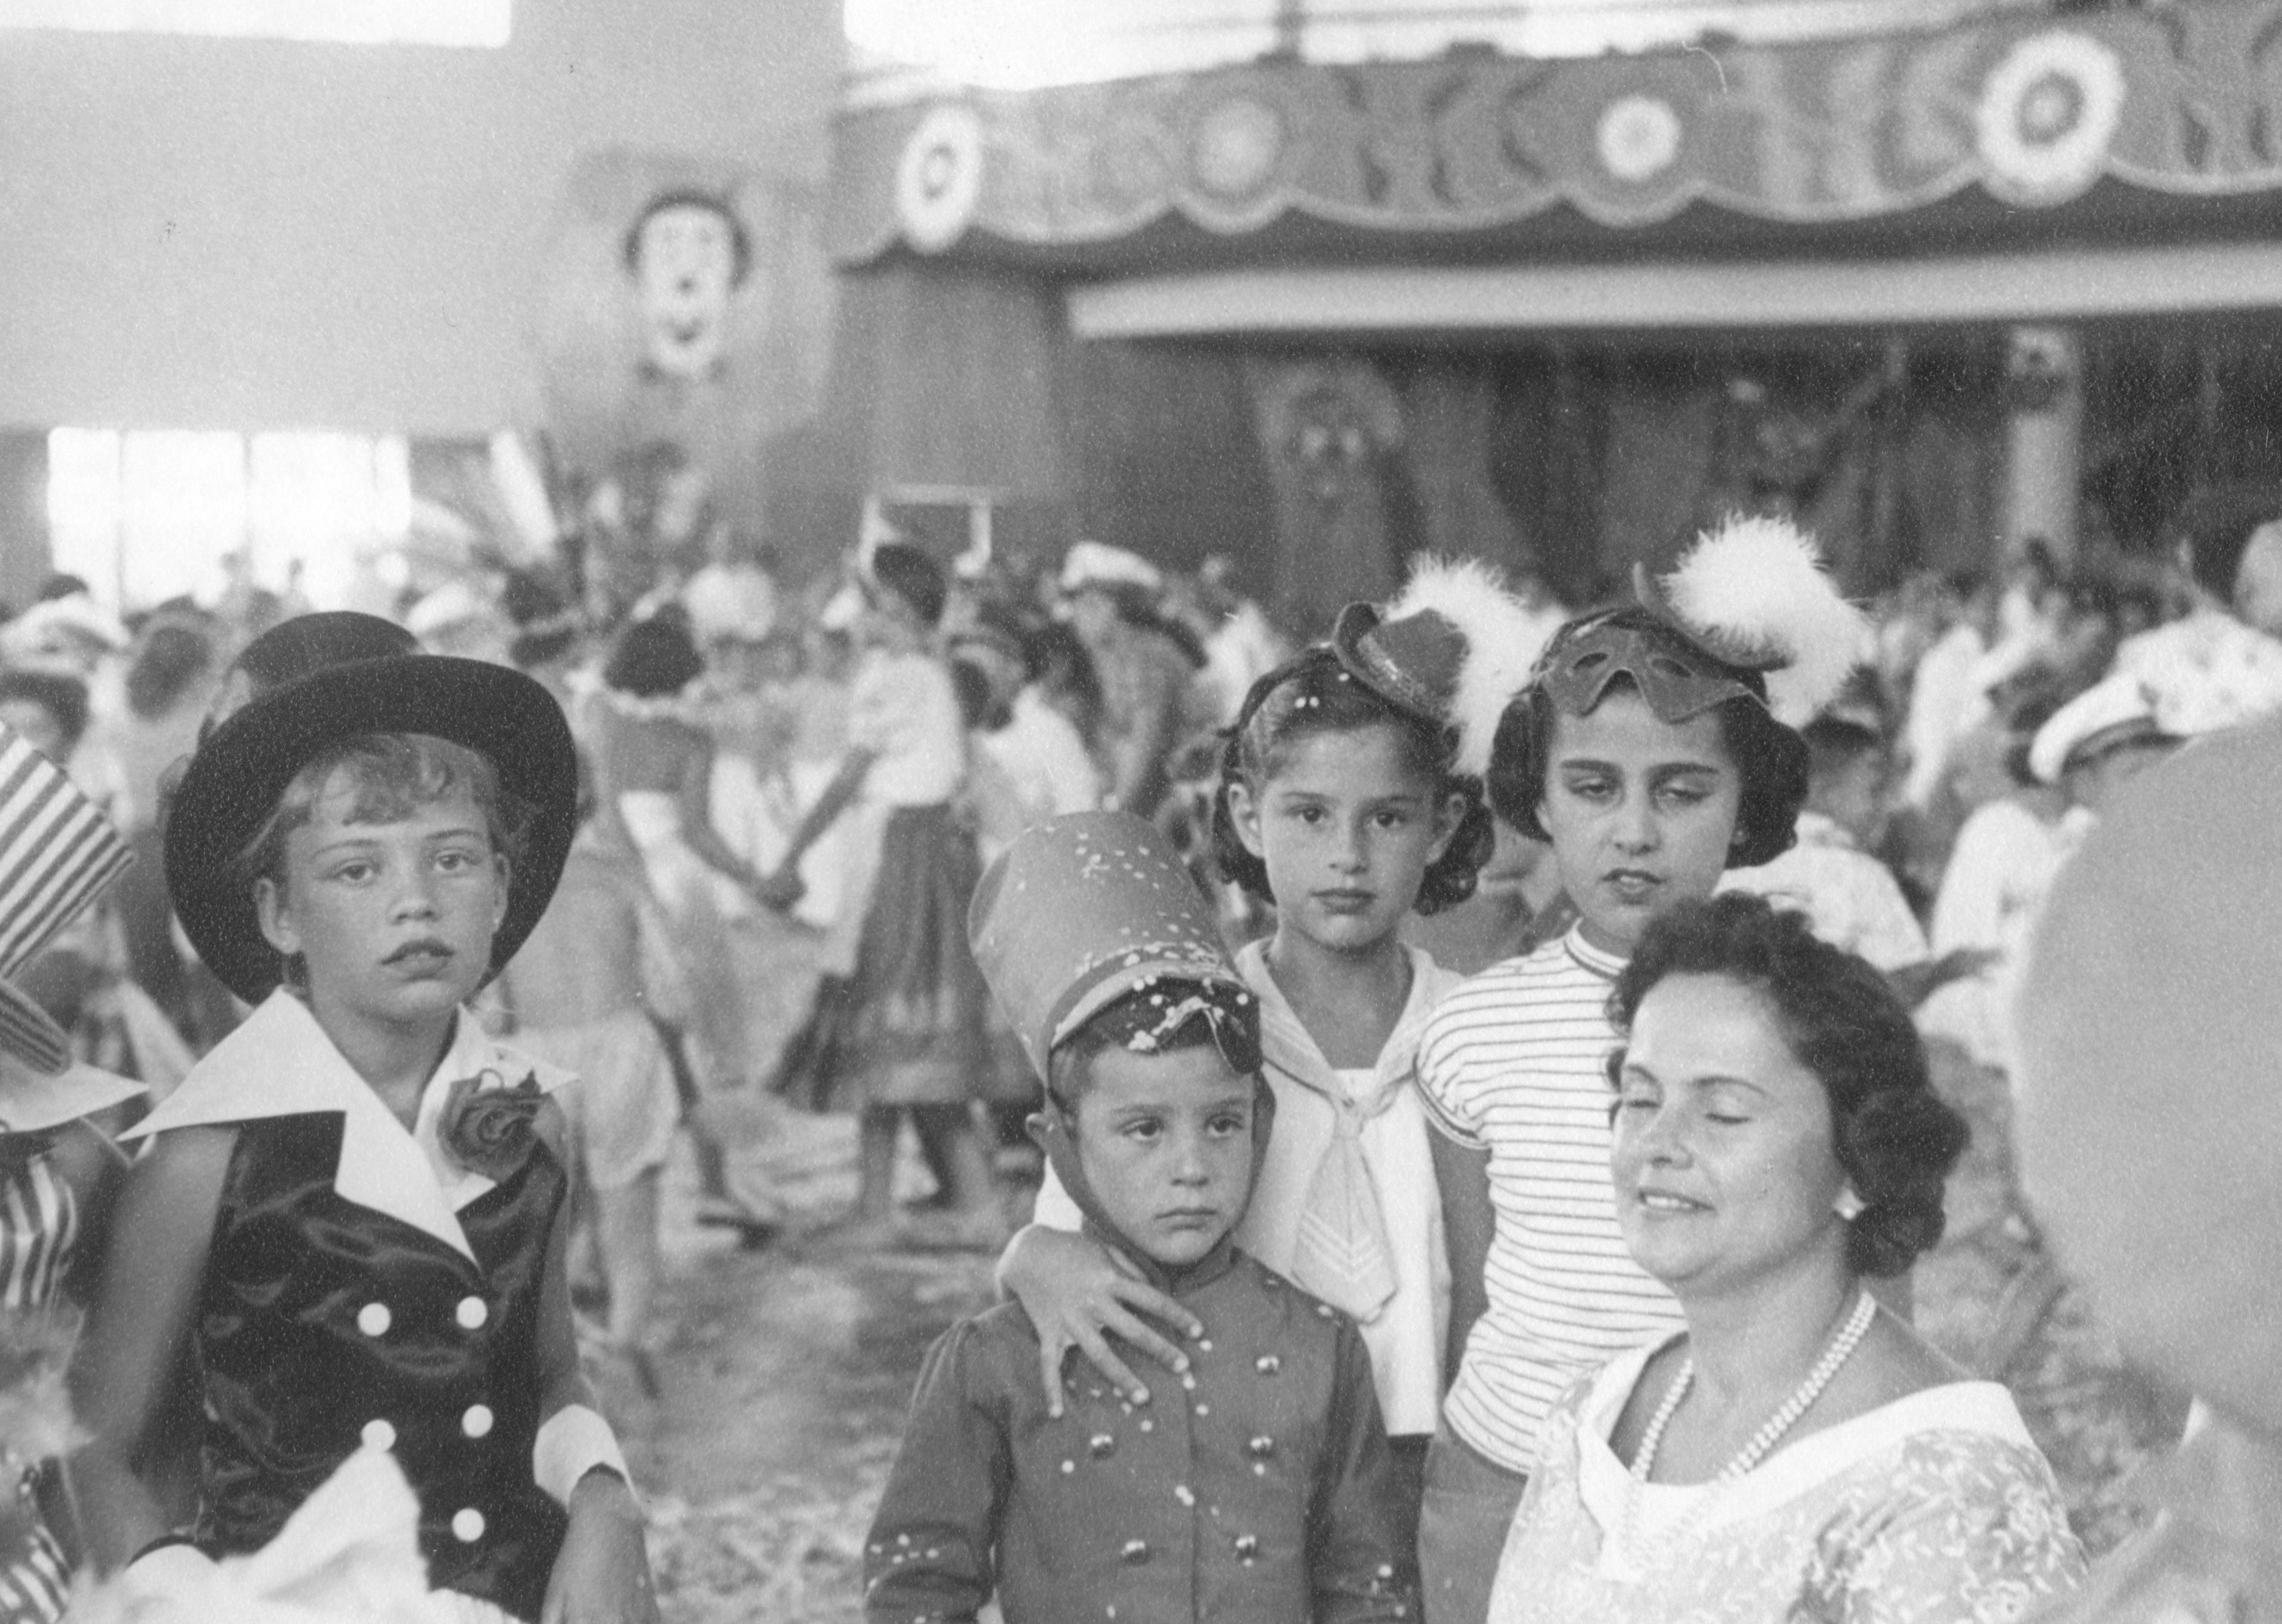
(1600, 960)
(281, 1063)
(1811, 1463)
(1289, 1047)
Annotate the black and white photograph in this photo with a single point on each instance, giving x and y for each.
(1168, 811)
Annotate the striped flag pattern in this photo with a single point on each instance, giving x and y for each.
(58, 852)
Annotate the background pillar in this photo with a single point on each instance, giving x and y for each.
(2044, 433)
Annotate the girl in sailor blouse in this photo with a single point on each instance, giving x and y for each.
(1346, 799)
(352, 1211)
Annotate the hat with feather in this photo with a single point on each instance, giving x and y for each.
(1452, 648)
(1750, 612)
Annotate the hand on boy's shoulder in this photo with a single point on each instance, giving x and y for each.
(1256, 1307)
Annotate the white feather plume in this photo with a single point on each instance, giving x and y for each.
(1503, 637)
(1757, 586)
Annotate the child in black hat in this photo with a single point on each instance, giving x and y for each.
(353, 1210)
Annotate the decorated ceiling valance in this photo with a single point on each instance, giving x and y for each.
(2025, 117)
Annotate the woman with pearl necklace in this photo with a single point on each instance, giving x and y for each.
(1798, 1452)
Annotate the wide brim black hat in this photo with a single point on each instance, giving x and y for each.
(242, 769)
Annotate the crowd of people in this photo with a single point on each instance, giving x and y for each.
(1469, 1105)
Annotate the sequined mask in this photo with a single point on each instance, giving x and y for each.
(1677, 678)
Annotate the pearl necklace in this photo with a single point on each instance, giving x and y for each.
(1757, 1450)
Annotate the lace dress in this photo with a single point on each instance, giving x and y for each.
(1932, 1510)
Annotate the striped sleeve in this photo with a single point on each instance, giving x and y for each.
(1439, 1087)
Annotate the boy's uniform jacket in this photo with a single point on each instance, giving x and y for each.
(1258, 1487)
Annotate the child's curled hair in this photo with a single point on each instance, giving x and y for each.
(1313, 693)
(391, 774)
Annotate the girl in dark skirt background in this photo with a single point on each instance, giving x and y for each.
(903, 1031)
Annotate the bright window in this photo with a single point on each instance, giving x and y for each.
(359, 22)
(149, 515)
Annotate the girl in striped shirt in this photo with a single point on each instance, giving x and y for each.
(1651, 746)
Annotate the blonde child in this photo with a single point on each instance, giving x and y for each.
(352, 1215)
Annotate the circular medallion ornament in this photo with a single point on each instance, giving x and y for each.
(1236, 148)
(939, 178)
(2048, 114)
(1638, 137)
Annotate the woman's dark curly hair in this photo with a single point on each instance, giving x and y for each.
(1312, 693)
(1770, 758)
(1896, 1138)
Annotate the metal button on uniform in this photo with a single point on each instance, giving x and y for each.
(466, 1525)
(379, 1436)
(374, 1319)
(478, 1421)
(472, 1312)
(1136, 1552)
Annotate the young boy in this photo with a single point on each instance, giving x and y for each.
(1261, 1487)
(351, 1216)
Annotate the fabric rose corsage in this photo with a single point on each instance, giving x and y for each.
(486, 1125)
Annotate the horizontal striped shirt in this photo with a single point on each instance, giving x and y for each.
(1514, 1062)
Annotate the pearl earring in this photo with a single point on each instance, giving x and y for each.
(1849, 1205)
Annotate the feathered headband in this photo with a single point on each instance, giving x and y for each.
(1453, 647)
(1750, 608)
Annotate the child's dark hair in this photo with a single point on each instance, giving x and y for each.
(1834, 744)
(172, 657)
(1060, 662)
(978, 706)
(913, 576)
(62, 697)
(1894, 1136)
(1310, 693)
(1232, 1024)
(1770, 758)
(653, 657)
(394, 774)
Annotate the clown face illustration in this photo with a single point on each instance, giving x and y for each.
(686, 253)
